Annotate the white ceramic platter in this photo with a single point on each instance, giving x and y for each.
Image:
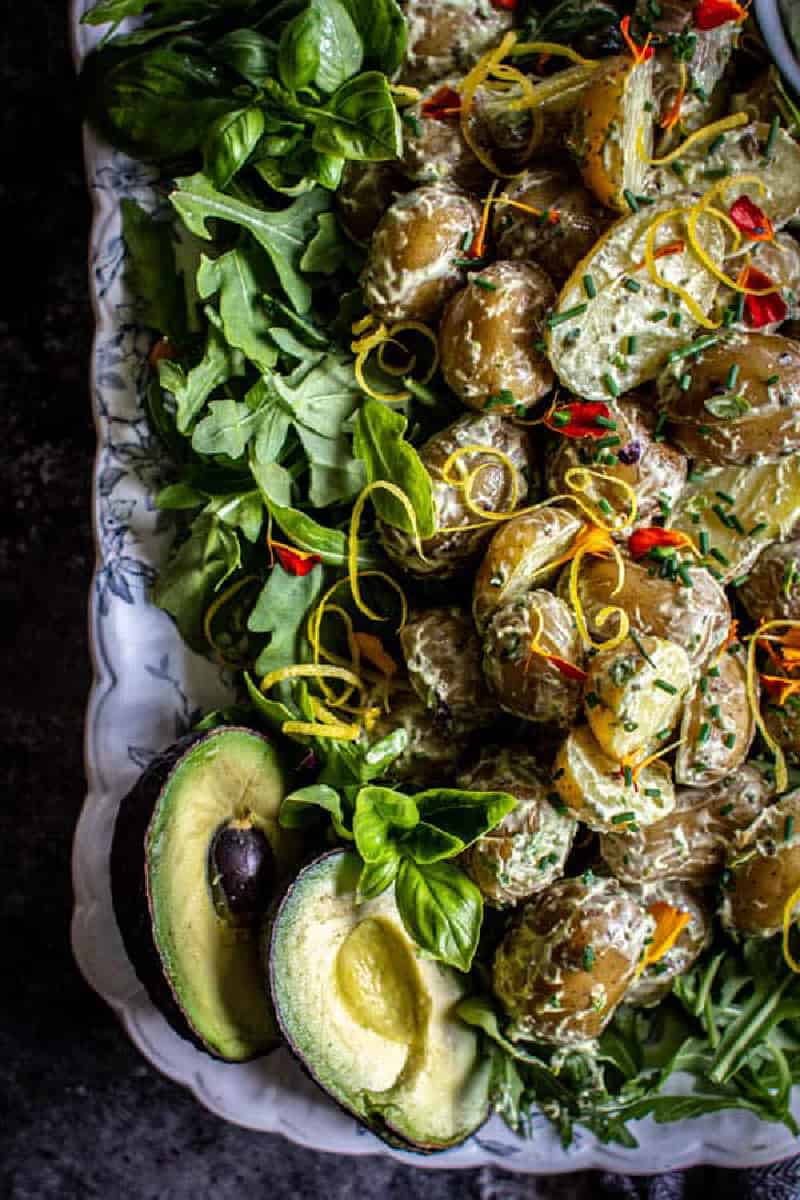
(149, 689)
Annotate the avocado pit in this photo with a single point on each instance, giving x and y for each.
(241, 872)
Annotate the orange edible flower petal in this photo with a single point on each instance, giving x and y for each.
(640, 53)
(643, 541)
(294, 561)
(670, 923)
(779, 689)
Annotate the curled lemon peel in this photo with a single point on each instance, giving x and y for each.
(610, 610)
(372, 336)
(553, 48)
(702, 208)
(674, 115)
(788, 907)
(212, 611)
(725, 219)
(352, 549)
(309, 671)
(341, 733)
(781, 772)
(586, 474)
(467, 90)
(650, 262)
(467, 483)
(700, 135)
(535, 646)
(549, 89)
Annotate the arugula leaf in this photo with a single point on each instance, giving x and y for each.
(284, 234)
(327, 250)
(186, 586)
(151, 271)
(176, 496)
(376, 878)
(463, 815)
(380, 811)
(191, 389)
(442, 910)
(243, 510)
(241, 277)
(226, 429)
(330, 544)
(379, 442)
(382, 27)
(360, 121)
(297, 809)
(340, 52)
(280, 610)
(230, 142)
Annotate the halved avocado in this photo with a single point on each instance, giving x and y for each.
(370, 1019)
(196, 859)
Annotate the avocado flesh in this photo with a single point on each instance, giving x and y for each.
(213, 967)
(370, 1019)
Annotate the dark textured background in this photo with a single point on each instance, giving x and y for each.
(81, 1113)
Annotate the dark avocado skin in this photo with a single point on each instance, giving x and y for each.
(129, 883)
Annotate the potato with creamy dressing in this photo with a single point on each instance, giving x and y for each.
(568, 959)
(443, 658)
(764, 868)
(446, 36)
(692, 841)
(526, 852)
(432, 751)
(484, 441)
(412, 266)
(434, 147)
(488, 338)
(771, 591)
(664, 901)
(366, 191)
(718, 728)
(533, 658)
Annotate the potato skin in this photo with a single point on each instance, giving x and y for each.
(448, 552)
(366, 191)
(443, 656)
(718, 702)
(526, 852)
(567, 960)
(705, 421)
(517, 558)
(434, 149)
(559, 246)
(769, 594)
(691, 842)
(653, 469)
(765, 870)
(410, 270)
(656, 980)
(447, 36)
(488, 332)
(524, 683)
(432, 752)
(697, 618)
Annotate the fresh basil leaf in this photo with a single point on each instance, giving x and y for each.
(330, 544)
(379, 812)
(186, 586)
(299, 50)
(243, 511)
(191, 389)
(280, 610)
(297, 809)
(241, 277)
(481, 1013)
(327, 169)
(380, 755)
(340, 49)
(327, 250)
(284, 234)
(441, 909)
(464, 815)
(387, 456)
(247, 52)
(375, 878)
(286, 175)
(177, 496)
(426, 844)
(230, 142)
(151, 272)
(107, 11)
(382, 27)
(360, 121)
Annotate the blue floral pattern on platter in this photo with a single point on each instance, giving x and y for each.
(149, 689)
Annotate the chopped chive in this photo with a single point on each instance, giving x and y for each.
(567, 315)
(717, 142)
(623, 818)
(772, 380)
(703, 733)
(486, 284)
(757, 529)
(604, 506)
(726, 808)
(540, 346)
(653, 792)
(713, 672)
(589, 287)
(632, 285)
(663, 734)
(685, 574)
(660, 315)
(613, 440)
(730, 742)
(675, 320)
(678, 169)
(637, 643)
(704, 542)
(735, 523)
(666, 687)
(720, 557)
(775, 125)
(703, 684)
(697, 476)
(413, 125)
(605, 422)
(685, 381)
(714, 711)
(725, 497)
(739, 580)
(561, 418)
(646, 200)
(661, 422)
(738, 307)
(693, 348)
(467, 239)
(713, 571)
(633, 342)
(628, 774)
(631, 200)
(788, 827)
(611, 384)
(588, 958)
(723, 516)
(716, 172)
(733, 375)
(592, 699)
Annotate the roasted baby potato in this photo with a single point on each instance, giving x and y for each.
(692, 841)
(696, 618)
(656, 979)
(613, 110)
(778, 259)
(453, 548)
(432, 751)
(532, 659)
(567, 960)
(526, 852)
(443, 657)
(447, 36)
(434, 148)
(717, 729)
(654, 470)
(518, 556)
(366, 191)
(558, 241)
(412, 265)
(772, 589)
(738, 402)
(764, 870)
(601, 793)
(488, 336)
(634, 692)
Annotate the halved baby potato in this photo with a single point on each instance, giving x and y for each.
(717, 727)
(634, 692)
(598, 791)
(765, 870)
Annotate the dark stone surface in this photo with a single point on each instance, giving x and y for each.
(82, 1115)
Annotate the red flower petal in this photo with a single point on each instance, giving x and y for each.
(762, 310)
(710, 14)
(642, 541)
(566, 668)
(581, 419)
(295, 562)
(506, 5)
(751, 220)
(442, 105)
